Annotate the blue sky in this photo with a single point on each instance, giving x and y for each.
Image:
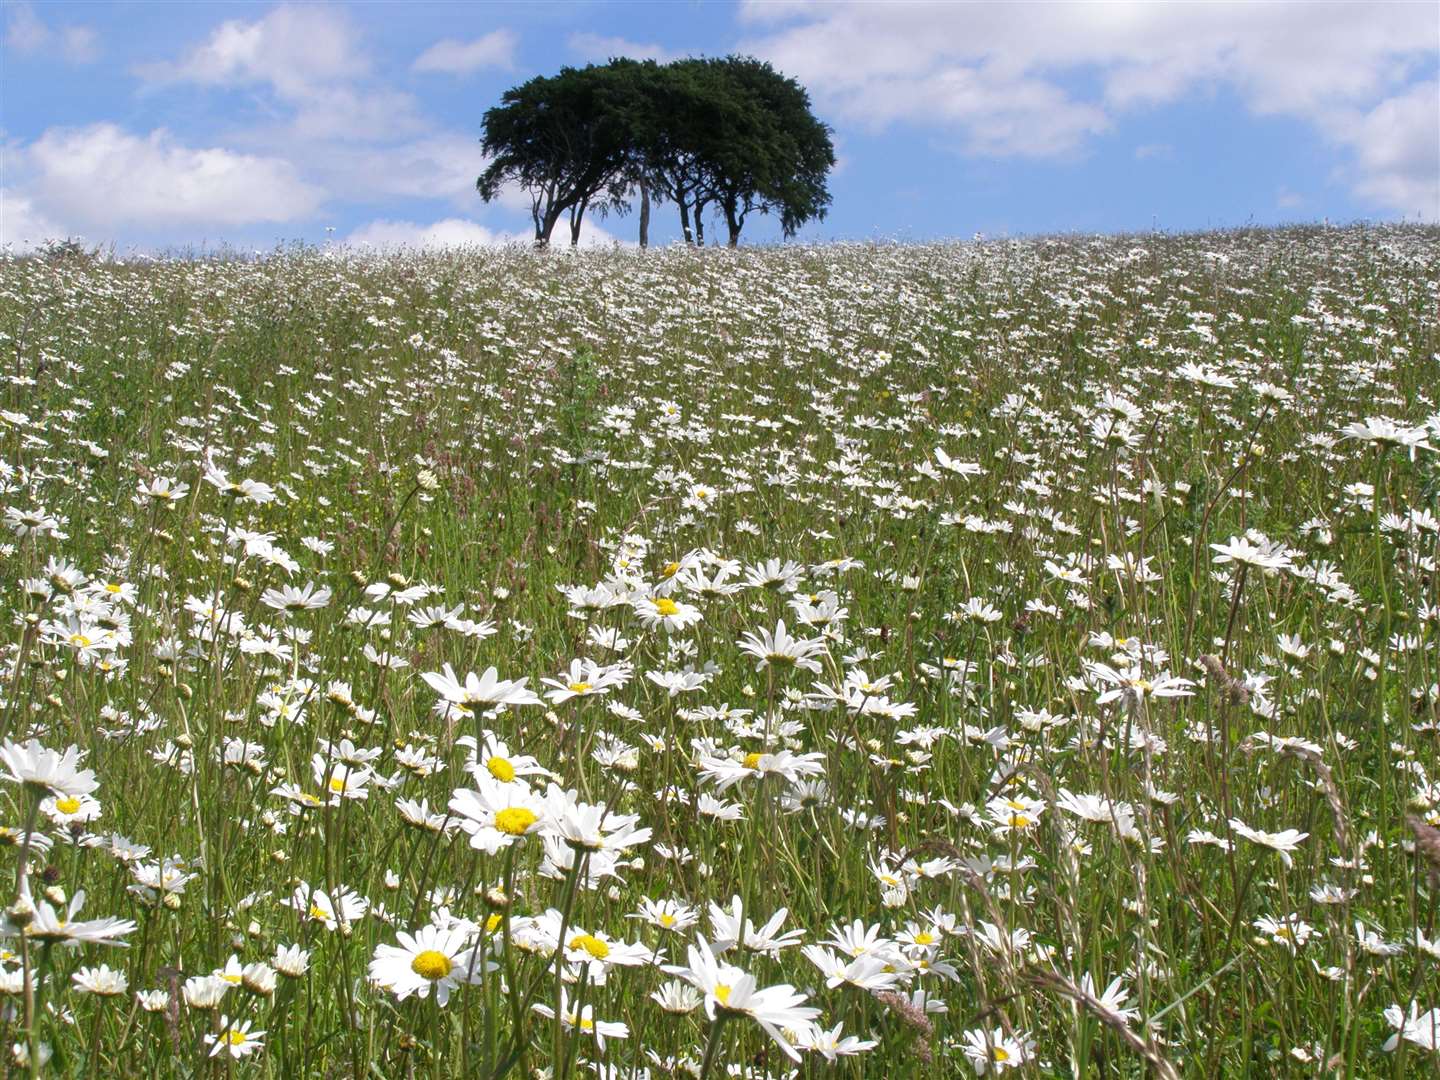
(190, 125)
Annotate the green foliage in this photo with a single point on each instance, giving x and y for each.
(732, 133)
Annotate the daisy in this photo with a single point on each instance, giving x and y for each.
(726, 772)
(1132, 684)
(252, 490)
(873, 974)
(235, 1039)
(1261, 554)
(496, 815)
(485, 689)
(728, 930)
(775, 575)
(600, 951)
(583, 1021)
(1292, 931)
(163, 489)
(37, 767)
(584, 678)
(830, 1044)
(493, 758)
(781, 650)
(289, 599)
(1386, 432)
(1284, 842)
(70, 809)
(101, 981)
(429, 958)
(730, 991)
(677, 998)
(996, 1051)
(419, 815)
(959, 468)
(669, 914)
(50, 926)
(340, 781)
(343, 909)
(670, 615)
(1422, 1029)
(291, 961)
(587, 827)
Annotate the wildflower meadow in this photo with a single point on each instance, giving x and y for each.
(1001, 658)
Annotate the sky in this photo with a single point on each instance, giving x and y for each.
(194, 127)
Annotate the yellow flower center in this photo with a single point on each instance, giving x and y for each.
(580, 688)
(235, 1038)
(493, 922)
(666, 607)
(722, 993)
(752, 761)
(233, 980)
(515, 820)
(318, 913)
(671, 568)
(1001, 1054)
(591, 944)
(501, 769)
(1019, 821)
(924, 937)
(337, 784)
(431, 965)
(667, 920)
(67, 804)
(114, 587)
(80, 641)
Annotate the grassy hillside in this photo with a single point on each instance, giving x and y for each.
(909, 661)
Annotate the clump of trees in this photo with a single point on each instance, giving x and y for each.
(724, 138)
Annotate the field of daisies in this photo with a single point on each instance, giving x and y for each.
(1005, 658)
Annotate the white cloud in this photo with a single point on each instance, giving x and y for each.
(449, 233)
(599, 48)
(293, 49)
(494, 50)
(1397, 151)
(1039, 80)
(105, 179)
(312, 60)
(462, 232)
(25, 32)
(22, 227)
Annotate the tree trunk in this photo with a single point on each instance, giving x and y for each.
(644, 214)
(546, 226)
(699, 222)
(577, 217)
(734, 220)
(685, 217)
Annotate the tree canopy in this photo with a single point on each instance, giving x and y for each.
(727, 136)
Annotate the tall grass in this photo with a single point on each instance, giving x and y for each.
(1100, 738)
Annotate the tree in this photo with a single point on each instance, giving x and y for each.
(562, 139)
(733, 134)
(773, 155)
(736, 134)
